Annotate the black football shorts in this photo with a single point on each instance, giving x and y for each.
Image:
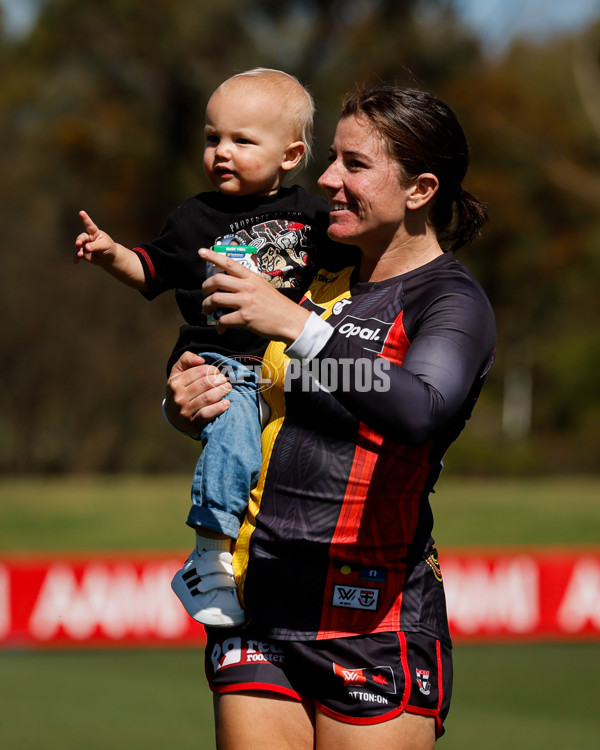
(363, 679)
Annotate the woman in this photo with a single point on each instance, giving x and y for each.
(376, 372)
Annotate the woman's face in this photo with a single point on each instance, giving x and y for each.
(362, 183)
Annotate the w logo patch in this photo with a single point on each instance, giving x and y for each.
(378, 679)
(355, 597)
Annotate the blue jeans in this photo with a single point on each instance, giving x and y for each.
(231, 457)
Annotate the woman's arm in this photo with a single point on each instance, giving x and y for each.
(195, 394)
(450, 352)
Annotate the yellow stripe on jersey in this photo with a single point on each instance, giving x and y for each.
(329, 288)
(275, 364)
(326, 289)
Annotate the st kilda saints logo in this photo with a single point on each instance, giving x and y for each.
(424, 681)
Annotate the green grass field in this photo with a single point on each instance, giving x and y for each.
(509, 696)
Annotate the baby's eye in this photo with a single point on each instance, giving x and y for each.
(243, 140)
(212, 139)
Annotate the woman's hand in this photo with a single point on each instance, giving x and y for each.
(254, 303)
(195, 394)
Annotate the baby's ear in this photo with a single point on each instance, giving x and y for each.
(293, 155)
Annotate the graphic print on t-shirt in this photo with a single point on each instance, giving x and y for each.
(281, 250)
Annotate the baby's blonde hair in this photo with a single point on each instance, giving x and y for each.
(296, 102)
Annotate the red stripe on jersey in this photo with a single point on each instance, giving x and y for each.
(405, 668)
(396, 342)
(148, 259)
(376, 523)
(434, 712)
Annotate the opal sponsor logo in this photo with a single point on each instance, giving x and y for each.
(372, 331)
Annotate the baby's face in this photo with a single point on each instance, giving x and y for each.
(246, 142)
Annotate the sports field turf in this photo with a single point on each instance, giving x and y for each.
(506, 697)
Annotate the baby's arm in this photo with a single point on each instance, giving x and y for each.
(99, 248)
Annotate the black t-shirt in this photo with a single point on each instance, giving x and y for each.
(288, 229)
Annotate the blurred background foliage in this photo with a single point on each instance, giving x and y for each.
(101, 107)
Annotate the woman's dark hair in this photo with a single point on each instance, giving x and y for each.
(422, 134)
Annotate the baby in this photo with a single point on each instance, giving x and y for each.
(258, 131)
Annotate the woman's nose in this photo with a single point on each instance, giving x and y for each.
(329, 178)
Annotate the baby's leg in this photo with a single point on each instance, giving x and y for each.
(225, 473)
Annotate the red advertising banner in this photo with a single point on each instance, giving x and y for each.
(529, 594)
(126, 600)
(101, 600)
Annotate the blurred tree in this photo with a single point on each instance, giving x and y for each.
(538, 155)
(101, 107)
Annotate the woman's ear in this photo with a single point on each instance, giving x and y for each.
(293, 155)
(422, 190)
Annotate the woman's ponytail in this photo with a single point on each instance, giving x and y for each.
(469, 216)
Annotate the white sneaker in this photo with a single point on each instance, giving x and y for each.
(206, 588)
